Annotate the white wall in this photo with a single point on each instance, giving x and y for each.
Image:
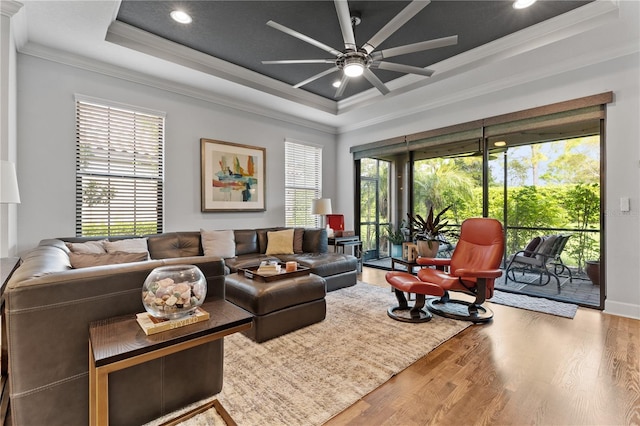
(622, 76)
(46, 150)
(8, 212)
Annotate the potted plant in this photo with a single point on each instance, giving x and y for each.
(395, 238)
(429, 233)
(593, 271)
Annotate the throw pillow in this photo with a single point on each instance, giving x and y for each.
(298, 237)
(88, 247)
(280, 242)
(530, 249)
(218, 243)
(128, 245)
(86, 260)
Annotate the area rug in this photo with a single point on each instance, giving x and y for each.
(538, 304)
(308, 376)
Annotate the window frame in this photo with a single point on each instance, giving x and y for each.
(120, 148)
(305, 154)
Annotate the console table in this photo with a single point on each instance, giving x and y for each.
(118, 343)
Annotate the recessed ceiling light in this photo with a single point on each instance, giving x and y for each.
(181, 16)
(500, 143)
(522, 4)
(336, 84)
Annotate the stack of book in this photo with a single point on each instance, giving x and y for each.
(268, 269)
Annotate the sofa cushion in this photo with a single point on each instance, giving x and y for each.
(129, 245)
(88, 247)
(86, 260)
(298, 237)
(175, 244)
(315, 241)
(246, 241)
(280, 242)
(218, 243)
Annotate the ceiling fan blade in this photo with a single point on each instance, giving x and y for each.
(304, 38)
(343, 86)
(344, 17)
(373, 79)
(315, 77)
(301, 61)
(391, 66)
(415, 47)
(394, 24)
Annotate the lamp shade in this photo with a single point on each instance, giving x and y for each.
(8, 183)
(321, 206)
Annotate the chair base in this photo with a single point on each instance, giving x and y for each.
(460, 310)
(409, 314)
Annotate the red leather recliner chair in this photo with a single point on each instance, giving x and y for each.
(472, 269)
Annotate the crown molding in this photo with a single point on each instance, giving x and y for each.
(578, 21)
(142, 41)
(10, 7)
(92, 65)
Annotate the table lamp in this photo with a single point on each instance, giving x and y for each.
(322, 207)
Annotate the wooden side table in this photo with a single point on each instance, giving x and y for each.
(351, 241)
(119, 343)
(409, 264)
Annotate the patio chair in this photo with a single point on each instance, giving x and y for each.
(541, 257)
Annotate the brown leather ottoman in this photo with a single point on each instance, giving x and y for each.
(279, 306)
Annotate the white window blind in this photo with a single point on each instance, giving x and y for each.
(119, 170)
(303, 183)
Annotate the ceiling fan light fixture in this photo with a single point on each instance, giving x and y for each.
(181, 16)
(353, 67)
(522, 4)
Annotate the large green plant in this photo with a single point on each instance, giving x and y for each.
(429, 229)
(582, 204)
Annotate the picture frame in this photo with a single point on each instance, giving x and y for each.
(232, 177)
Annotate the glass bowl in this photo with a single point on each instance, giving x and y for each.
(172, 292)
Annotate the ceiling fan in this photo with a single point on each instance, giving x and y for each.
(355, 61)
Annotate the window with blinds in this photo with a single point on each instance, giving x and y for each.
(303, 183)
(119, 169)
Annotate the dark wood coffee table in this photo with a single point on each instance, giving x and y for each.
(118, 343)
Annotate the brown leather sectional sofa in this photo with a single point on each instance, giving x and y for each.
(49, 306)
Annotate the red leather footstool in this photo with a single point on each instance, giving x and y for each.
(405, 282)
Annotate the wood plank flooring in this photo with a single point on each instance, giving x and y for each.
(522, 368)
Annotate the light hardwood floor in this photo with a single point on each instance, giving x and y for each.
(522, 368)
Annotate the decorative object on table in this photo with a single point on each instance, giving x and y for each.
(266, 273)
(395, 238)
(322, 207)
(9, 193)
(232, 176)
(336, 223)
(429, 233)
(409, 252)
(172, 292)
(152, 325)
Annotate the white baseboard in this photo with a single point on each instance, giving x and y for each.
(622, 309)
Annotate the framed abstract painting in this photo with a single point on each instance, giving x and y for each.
(233, 176)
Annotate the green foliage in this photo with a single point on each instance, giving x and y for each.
(121, 228)
(394, 236)
(582, 203)
(430, 229)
